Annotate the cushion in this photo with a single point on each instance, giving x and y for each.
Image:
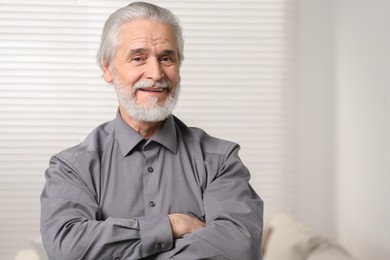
(289, 239)
(27, 254)
(328, 250)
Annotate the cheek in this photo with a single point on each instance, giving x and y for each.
(128, 74)
(173, 76)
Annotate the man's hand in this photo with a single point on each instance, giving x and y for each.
(182, 224)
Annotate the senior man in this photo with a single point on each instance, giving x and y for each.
(144, 185)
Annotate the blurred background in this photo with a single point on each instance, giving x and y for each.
(302, 85)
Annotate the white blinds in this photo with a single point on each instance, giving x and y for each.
(234, 85)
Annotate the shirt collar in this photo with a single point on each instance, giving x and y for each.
(128, 138)
(166, 135)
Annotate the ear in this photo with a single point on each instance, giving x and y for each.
(107, 72)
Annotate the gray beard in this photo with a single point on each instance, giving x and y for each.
(151, 112)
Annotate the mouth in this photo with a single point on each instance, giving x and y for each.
(153, 90)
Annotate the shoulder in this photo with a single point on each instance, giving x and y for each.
(208, 143)
(91, 146)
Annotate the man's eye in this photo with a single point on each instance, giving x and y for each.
(138, 59)
(167, 59)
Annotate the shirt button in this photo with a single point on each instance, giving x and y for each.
(150, 169)
(152, 204)
(157, 246)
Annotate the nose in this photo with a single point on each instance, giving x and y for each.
(154, 70)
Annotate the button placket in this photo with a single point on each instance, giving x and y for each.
(150, 178)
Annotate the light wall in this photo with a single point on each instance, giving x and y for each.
(363, 126)
(315, 99)
(344, 122)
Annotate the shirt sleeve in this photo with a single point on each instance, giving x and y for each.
(72, 228)
(234, 218)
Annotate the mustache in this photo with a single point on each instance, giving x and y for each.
(164, 84)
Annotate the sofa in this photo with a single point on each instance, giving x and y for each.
(284, 238)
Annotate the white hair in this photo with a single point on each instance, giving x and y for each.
(137, 10)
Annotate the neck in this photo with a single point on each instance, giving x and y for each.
(145, 129)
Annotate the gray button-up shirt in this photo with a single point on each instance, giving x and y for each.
(109, 197)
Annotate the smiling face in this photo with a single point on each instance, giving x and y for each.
(145, 70)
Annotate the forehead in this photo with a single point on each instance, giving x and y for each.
(147, 33)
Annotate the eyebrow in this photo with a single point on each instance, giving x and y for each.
(169, 52)
(143, 50)
(138, 50)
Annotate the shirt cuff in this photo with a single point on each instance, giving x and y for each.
(156, 234)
